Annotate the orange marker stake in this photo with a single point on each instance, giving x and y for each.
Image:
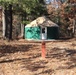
(43, 49)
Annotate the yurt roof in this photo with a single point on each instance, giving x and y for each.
(43, 22)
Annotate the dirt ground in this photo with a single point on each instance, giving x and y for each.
(24, 58)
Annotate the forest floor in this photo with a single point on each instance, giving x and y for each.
(24, 58)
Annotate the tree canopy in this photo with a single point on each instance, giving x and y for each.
(28, 7)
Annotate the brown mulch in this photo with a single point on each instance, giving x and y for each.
(24, 58)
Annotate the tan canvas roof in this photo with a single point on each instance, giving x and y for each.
(41, 21)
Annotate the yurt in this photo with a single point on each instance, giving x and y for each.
(41, 28)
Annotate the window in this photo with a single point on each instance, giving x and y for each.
(43, 30)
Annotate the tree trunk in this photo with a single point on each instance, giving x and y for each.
(10, 11)
(22, 30)
(8, 21)
(73, 27)
(3, 22)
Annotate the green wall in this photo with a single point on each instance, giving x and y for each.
(52, 32)
(32, 32)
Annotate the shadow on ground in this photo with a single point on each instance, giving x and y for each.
(8, 49)
(68, 55)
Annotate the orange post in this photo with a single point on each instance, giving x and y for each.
(43, 49)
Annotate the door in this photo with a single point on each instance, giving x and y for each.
(43, 33)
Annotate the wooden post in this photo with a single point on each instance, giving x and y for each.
(43, 49)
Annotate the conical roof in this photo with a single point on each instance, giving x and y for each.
(42, 21)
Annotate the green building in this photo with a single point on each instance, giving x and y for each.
(41, 28)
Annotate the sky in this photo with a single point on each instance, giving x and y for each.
(52, 2)
(48, 1)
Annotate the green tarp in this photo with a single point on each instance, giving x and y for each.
(32, 32)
